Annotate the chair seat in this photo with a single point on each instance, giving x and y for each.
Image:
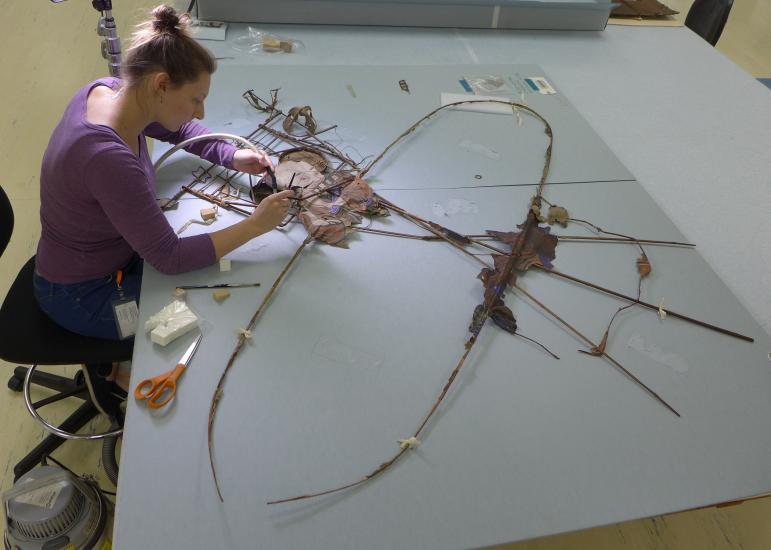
(28, 336)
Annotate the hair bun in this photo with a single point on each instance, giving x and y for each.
(166, 19)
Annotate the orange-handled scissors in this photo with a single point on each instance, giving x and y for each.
(159, 390)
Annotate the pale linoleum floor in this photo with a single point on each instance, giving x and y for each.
(49, 51)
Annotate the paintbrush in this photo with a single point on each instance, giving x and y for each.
(221, 285)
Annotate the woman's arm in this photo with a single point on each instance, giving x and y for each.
(216, 151)
(117, 182)
(266, 216)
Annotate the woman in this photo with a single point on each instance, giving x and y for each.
(100, 218)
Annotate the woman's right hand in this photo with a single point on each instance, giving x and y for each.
(271, 210)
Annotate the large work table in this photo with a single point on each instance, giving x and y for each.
(656, 135)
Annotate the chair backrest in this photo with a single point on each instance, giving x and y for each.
(708, 17)
(6, 220)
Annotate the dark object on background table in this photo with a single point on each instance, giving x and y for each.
(707, 18)
(642, 8)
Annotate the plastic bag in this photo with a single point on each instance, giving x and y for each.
(489, 85)
(260, 42)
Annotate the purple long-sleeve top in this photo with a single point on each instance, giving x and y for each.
(98, 204)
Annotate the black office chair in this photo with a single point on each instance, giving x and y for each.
(29, 337)
(707, 18)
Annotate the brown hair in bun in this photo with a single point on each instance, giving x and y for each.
(164, 43)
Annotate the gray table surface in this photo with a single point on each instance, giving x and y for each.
(525, 445)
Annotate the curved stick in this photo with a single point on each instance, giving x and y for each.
(530, 223)
(241, 339)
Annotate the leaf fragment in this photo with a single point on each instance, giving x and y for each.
(477, 320)
(504, 318)
(538, 248)
(662, 312)
(557, 214)
(599, 349)
(643, 266)
(294, 114)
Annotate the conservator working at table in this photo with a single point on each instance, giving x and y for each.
(100, 218)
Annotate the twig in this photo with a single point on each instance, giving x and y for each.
(388, 463)
(645, 304)
(622, 240)
(241, 339)
(592, 345)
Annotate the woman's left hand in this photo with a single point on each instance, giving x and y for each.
(251, 162)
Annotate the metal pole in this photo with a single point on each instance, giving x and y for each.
(111, 42)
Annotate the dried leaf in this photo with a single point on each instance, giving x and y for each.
(357, 195)
(328, 230)
(477, 320)
(599, 349)
(313, 158)
(643, 266)
(360, 197)
(300, 173)
(310, 122)
(662, 311)
(539, 247)
(557, 214)
(493, 278)
(294, 114)
(504, 318)
(290, 119)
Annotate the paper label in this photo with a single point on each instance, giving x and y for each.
(540, 84)
(127, 317)
(45, 497)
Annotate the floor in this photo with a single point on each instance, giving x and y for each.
(50, 50)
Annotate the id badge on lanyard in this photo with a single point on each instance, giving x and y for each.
(125, 311)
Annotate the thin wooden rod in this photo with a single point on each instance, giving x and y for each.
(645, 304)
(593, 346)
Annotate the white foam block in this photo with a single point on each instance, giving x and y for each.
(171, 322)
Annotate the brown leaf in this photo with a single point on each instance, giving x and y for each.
(310, 122)
(643, 266)
(325, 229)
(539, 248)
(477, 320)
(357, 195)
(290, 119)
(492, 278)
(300, 173)
(557, 214)
(599, 349)
(313, 158)
(494, 284)
(504, 318)
(294, 114)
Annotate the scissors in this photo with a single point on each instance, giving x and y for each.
(166, 383)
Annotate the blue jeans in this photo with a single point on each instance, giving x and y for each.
(87, 308)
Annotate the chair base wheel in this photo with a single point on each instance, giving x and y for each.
(15, 384)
